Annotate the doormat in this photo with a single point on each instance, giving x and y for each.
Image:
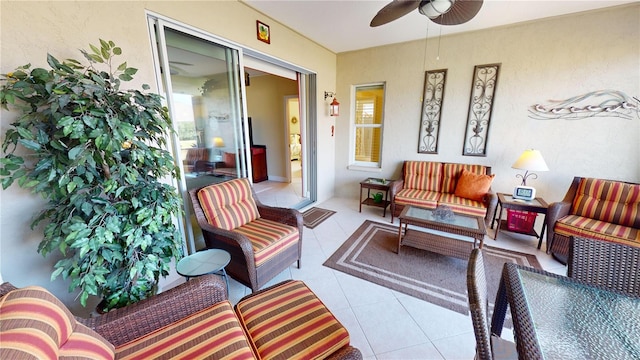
(314, 216)
(370, 254)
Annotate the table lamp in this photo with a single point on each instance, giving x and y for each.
(218, 143)
(530, 160)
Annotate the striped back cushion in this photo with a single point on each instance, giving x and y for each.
(290, 322)
(228, 205)
(35, 324)
(422, 175)
(451, 172)
(610, 201)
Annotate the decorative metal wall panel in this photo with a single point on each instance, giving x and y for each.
(433, 97)
(483, 88)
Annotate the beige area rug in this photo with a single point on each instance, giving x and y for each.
(314, 216)
(369, 254)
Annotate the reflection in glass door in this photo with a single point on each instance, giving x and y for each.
(203, 90)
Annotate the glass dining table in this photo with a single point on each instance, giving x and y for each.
(556, 317)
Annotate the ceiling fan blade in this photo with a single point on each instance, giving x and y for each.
(394, 10)
(461, 11)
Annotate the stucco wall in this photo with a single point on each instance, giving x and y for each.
(30, 30)
(555, 59)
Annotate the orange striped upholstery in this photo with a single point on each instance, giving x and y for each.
(290, 322)
(609, 201)
(213, 333)
(573, 225)
(422, 175)
(462, 205)
(228, 205)
(421, 198)
(451, 172)
(268, 238)
(34, 324)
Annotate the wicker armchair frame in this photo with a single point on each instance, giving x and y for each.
(490, 200)
(557, 244)
(122, 325)
(612, 265)
(242, 266)
(478, 304)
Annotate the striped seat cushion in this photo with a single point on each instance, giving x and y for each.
(462, 205)
(34, 324)
(422, 175)
(228, 205)
(574, 225)
(451, 173)
(609, 201)
(212, 333)
(421, 198)
(268, 238)
(290, 322)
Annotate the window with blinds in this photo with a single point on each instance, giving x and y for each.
(368, 120)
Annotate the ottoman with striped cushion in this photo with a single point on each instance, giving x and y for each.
(288, 321)
(212, 333)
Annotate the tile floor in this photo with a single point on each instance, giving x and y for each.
(383, 324)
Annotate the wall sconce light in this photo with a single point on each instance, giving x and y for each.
(334, 107)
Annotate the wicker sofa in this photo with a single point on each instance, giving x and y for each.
(194, 321)
(594, 208)
(429, 184)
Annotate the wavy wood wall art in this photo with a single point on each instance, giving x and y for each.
(602, 103)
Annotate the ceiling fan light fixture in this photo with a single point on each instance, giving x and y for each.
(434, 8)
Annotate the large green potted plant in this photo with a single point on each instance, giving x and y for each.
(98, 155)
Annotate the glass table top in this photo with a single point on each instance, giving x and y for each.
(203, 262)
(575, 321)
(454, 219)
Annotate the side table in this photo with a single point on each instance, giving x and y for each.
(375, 184)
(210, 261)
(506, 201)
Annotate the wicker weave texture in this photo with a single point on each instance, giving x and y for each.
(604, 263)
(477, 292)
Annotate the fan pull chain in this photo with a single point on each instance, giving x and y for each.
(439, 37)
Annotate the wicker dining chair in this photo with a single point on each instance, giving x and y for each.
(605, 263)
(488, 346)
(262, 240)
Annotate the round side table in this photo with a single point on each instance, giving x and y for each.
(210, 261)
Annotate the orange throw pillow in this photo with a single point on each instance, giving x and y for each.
(473, 186)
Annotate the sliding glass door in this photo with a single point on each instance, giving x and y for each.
(202, 84)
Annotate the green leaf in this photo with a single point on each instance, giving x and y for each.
(122, 66)
(117, 51)
(73, 153)
(125, 77)
(29, 144)
(130, 71)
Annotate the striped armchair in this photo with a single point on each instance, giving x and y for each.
(594, 208)
(262, 240)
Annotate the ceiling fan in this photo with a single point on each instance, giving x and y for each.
(443, 12)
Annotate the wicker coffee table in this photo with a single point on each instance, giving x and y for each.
(445, 237)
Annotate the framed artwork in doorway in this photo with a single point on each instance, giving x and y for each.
(432, 98)
(483, 89)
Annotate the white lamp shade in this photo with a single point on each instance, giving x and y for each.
(531, 160)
